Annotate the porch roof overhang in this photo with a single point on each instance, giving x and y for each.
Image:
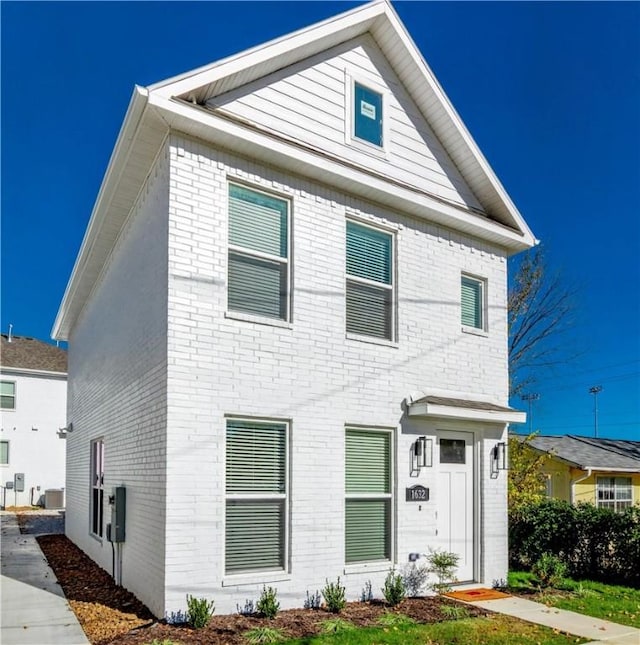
(464, 409)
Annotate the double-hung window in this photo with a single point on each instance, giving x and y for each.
(369, 281)
(258, 273)
(615, 493)
(7, 395)
(368, 503)
(97, 487)
(256, 496)
(4, 453)
(473, 302)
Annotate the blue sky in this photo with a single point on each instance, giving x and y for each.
(550, 92)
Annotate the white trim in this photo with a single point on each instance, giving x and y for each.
(30, 372)
(465, 414)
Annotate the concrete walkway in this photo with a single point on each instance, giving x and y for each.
(33, 609)
(599, 631)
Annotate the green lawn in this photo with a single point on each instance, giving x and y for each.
(610, 602)
(497, 630)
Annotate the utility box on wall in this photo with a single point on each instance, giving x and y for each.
(18, 482)
(118, 502)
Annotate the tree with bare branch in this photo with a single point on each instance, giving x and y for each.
(541, 309)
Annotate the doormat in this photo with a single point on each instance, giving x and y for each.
(471, 595)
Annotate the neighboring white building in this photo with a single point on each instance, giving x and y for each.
(33, 402)
(289, 308)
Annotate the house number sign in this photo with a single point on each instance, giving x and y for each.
(417, 493)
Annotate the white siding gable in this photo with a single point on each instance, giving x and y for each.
(309, 102)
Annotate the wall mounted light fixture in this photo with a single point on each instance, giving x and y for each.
(499, 457)
(423, 452)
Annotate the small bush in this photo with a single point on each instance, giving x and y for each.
(366, 595)
(334, 596)
(268, 605)
(248, 609)
(265, 635)
(415, 578)
(199, 612)
(176, 618)
(394, 590)
(500, 584)
(549, 570)
(454, 612)
(389, 619)
(443, 564)
(336, 626)
(313, 601)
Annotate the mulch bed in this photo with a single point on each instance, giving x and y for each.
(110, 615)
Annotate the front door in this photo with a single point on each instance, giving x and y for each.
(455, 499)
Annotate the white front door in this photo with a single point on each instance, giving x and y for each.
(455, 498)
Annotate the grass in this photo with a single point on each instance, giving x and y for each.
(498, 630)
(609, 602)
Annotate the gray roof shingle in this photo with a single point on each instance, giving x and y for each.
(28, 353)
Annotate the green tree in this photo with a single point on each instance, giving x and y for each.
(526, 477)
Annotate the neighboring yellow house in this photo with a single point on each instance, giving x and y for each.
(604, 472)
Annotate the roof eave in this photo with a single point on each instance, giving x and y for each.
(425, 409)
(124, 143)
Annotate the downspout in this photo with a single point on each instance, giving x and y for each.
(577, 481)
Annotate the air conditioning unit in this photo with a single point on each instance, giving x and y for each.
(54, 498)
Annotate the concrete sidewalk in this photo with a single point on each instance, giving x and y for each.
(33, 608)
(599, 631)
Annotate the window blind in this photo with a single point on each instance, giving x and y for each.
(7, 395)
(368, 462)
(472, 303)
(367, 530)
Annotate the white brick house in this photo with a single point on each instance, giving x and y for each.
(293, 282)
(33, 410)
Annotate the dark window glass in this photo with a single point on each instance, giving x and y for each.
(452, 451)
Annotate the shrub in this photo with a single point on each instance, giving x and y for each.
(334, 596)
(248, 609)
(312, 601)
(443, 565)
(336, 626)
(366, 595)
(199, 612)
(594, 543)
(549, 570)
(268, 605)
(176, 618)
(454, 612)
(414, 578)
(265, 635)
(394, 590)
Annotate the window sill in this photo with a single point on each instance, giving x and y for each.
(259, 320)
(255, 578)
(474, 331)
(372, 340)
(97, 538)
(370, 567)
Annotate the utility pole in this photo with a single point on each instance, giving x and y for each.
(531, 397)
(595, 390)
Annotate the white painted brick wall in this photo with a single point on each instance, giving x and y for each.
(310, 373)
(117, 390)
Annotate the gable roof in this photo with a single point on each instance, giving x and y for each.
(178, 104)
(25, 353)
(597, 454)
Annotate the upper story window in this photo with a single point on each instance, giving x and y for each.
(369, 281)
(615, 493)
(258, 274)
(473, 294)
(7, 395)
(256, 496)
(368, 114)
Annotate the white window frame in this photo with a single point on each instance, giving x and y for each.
(241, 250)
(483, 329)
(249, 576)
(351, 78)
(97, 486)
(372, 283)
(15, 395)
(6, 463)
(612, 484)
(368, 565)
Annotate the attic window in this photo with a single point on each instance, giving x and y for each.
(367, 114)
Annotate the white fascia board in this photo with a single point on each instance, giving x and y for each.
(116, 164)
(27, 372)
(302, 39)
(597, 470)
(466, 414)
(460, 127)
(276, 150)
